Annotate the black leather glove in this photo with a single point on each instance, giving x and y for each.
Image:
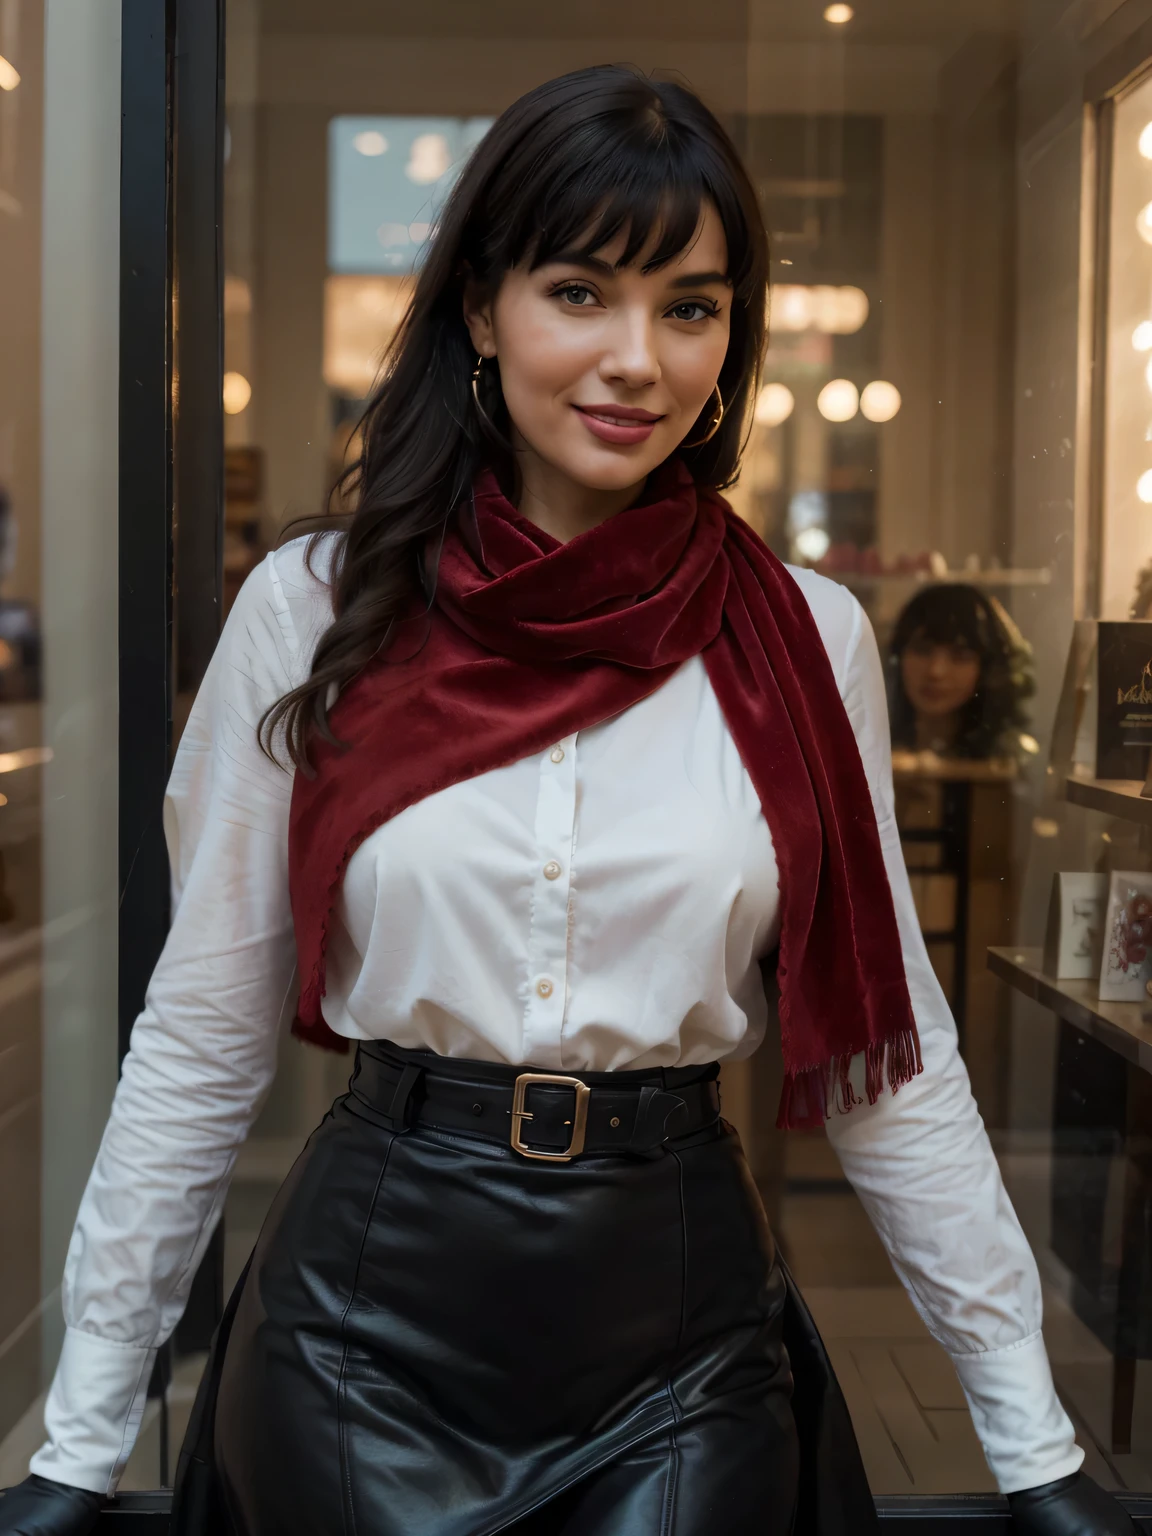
(1071, 1506)
(40, 1507)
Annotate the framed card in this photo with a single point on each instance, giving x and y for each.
(1126, 964)
(1074, 939)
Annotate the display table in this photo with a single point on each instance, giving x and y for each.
(1102, 1118)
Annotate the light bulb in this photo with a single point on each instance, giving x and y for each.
(9, 75)
(1144, 223)
(880, 400)
(838, 14)
(1142, 336)
(1144, 487)
(812, 543)
(1144, 142)
(237, 393)
(774, 404)
(839, 400)
(428, 159)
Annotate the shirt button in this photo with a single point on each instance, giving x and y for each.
(544, 987)
(557, 754)
(552, 870)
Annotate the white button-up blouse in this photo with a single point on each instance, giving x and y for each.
(600, 905)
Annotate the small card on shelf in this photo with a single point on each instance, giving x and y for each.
(1074, 938)
(1126, 964)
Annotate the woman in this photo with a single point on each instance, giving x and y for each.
(572, 754)
(959, 674)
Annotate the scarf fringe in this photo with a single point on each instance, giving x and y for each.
(810, 1094)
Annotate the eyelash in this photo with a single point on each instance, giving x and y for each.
(710, 310)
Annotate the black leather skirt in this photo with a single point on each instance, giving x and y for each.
(440, 1336)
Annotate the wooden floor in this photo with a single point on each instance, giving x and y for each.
(907, 1407)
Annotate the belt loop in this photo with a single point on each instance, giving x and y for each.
(656, 1109)
(397, 1112)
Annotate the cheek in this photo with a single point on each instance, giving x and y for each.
(539, 355)
(967, 679)
(690, 365)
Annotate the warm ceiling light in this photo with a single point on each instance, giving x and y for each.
(1142, 336)
(1144, 142)
(879, 400)
(1144, 487)
(370, 143)
(838, 310)
(774, 404)
(9, 75)
(1144, 223)
(237, 393)
(839, 400)
(838, 14)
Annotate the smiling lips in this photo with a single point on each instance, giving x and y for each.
(624, 424)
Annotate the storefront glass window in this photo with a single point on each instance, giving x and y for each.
(955, 423)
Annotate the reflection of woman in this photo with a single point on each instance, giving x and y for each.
(959, 674)
(594, 753)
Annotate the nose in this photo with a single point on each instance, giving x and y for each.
(630, 354)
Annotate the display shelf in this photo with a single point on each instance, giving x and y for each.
(1040, 577)
(917, 766)
(1122, 1027)
(1116, 797)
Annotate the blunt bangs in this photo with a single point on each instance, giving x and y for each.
(628, 166)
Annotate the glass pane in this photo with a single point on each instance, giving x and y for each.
(59, 194)
(925, 423)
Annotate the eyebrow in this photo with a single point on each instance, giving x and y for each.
(598, 264)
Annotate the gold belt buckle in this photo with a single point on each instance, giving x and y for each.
(575, 1146)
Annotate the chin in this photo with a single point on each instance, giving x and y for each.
(611, 470)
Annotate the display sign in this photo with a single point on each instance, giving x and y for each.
(1124, 699)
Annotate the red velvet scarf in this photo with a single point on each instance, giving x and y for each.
(530, 640)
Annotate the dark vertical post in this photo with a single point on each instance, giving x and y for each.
(198, 313)
(145, 525)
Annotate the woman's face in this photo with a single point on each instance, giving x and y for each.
(939, 679)
(604, 370)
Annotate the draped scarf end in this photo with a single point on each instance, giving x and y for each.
(809, 1094)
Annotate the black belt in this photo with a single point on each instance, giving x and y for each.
(551, 1116)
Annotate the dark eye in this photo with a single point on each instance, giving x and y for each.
(691, 309)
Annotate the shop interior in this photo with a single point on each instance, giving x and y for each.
(955, 422)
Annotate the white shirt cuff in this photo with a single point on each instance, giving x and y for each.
(1027, 1437)
(93, 1411)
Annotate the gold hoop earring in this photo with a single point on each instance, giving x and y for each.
(480, 411)
(714, 424)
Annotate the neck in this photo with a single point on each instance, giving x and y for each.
(937, 733)
(560, 505)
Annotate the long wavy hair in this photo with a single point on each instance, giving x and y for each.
(572, 165)
(993, 718)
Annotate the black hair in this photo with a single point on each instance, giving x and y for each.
(572, 165)
(951, 613)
